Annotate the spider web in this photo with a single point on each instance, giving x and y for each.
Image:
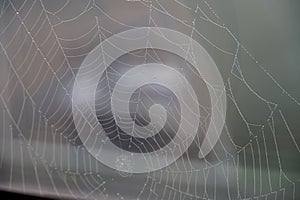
(42, 44)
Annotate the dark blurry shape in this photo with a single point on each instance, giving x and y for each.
(12, 195)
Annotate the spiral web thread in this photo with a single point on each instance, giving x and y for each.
(39, 65)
